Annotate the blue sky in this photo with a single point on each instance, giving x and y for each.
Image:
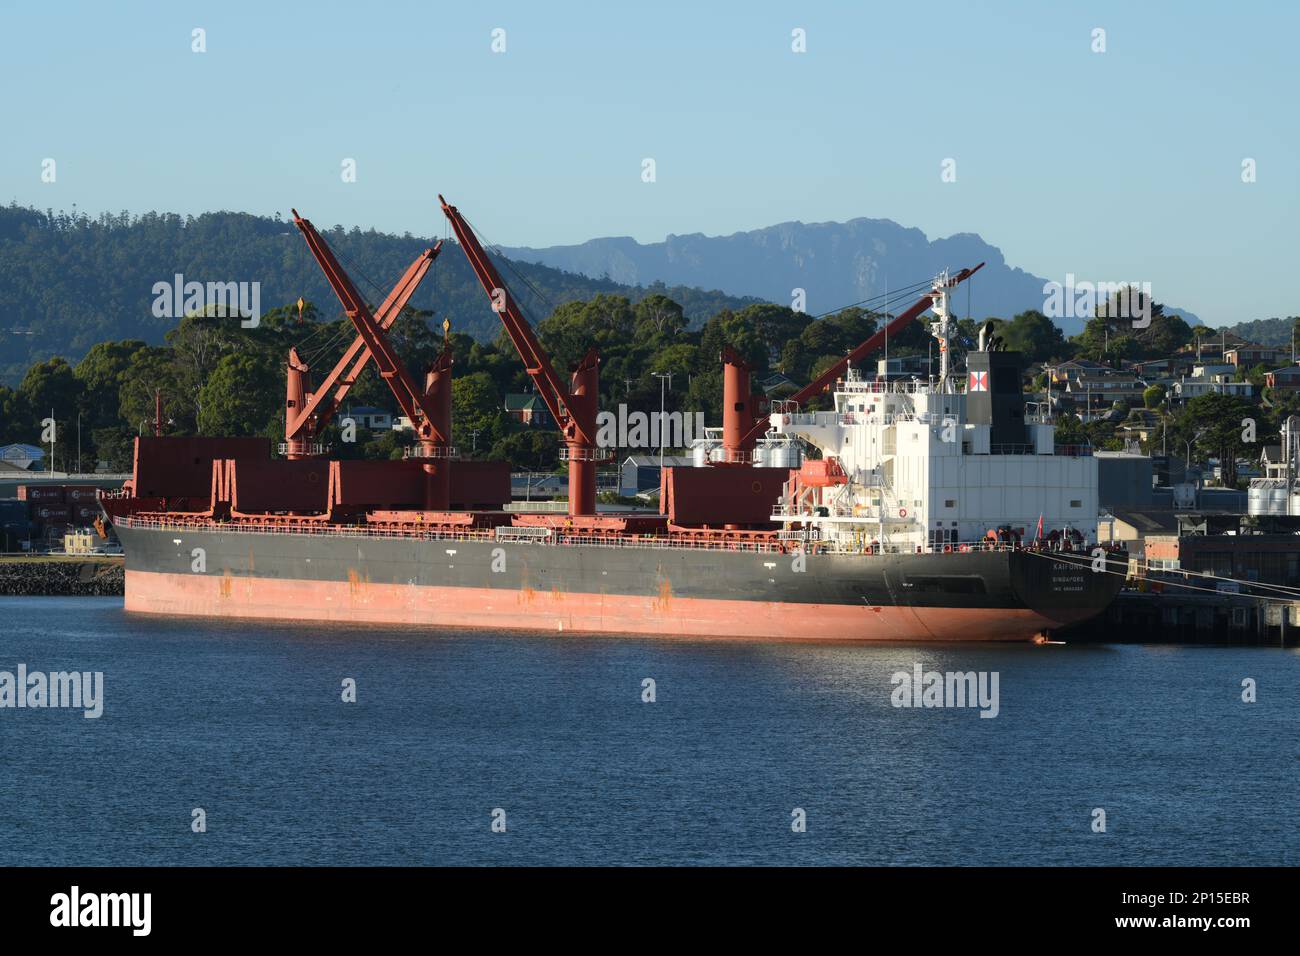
(1116, 166)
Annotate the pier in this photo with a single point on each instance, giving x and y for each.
(1153, 617)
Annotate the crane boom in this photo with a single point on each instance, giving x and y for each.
(896, 325)
(409, 397)
(573, 406)
(538, 365)
(318, 407)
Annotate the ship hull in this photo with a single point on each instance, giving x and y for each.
(580, 588)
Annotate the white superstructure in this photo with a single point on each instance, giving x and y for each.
(929, 464)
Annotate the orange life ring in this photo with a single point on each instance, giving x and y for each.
(902, 512)
(785, 420)
(947, 549)
(965, 548)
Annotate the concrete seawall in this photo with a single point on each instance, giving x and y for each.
(61, 576)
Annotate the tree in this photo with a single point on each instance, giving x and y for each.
(1215, 425)
(242, 396)
(20, 423)
(1153, 396)
(475, 407)
(1034, 334)
(101, 374)
(152, 370)
(533, 449)
(51, 388)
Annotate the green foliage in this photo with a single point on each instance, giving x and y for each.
(1213, 424)
(1108, 338)
(1153, 396)
(1275, 331)
(476, 406)
(51, 389)
(531, 449)
(72, 281)
(1037, 336)
(241, 397)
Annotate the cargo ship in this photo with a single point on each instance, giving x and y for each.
(932, 509)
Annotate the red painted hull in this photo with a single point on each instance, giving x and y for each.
(664, 615)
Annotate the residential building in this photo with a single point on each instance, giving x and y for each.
(1092, 390)
(1246, 355)
(1209, 379)
(777, 385)
(369, 417)
(527, 408)
(1141, 424)
(23, 456)
(1272, 462)
(1284, 379)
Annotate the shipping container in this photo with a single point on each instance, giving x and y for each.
(80, 494)
(41, 493)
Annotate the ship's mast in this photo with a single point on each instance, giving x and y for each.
(941, 328)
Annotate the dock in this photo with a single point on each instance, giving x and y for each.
(1172, 617)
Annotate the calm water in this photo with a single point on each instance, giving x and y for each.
(246, 721)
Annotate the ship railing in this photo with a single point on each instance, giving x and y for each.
(925, 418)
(586, 454)
(313, 449)
(552, 536)
(899, 388)
(522, 533)
(441, 451)
(649, 541)
(778, 543)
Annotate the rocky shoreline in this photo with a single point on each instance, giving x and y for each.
(61, 576)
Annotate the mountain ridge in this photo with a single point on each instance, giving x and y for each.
(835, 263)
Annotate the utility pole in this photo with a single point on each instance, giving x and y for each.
(78, 442)
(664, 378)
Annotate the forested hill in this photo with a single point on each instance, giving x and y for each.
(68, 282)
(1275, 331)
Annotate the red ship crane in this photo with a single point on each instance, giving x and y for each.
(736, 448)
(428, 408)
(572, 406)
